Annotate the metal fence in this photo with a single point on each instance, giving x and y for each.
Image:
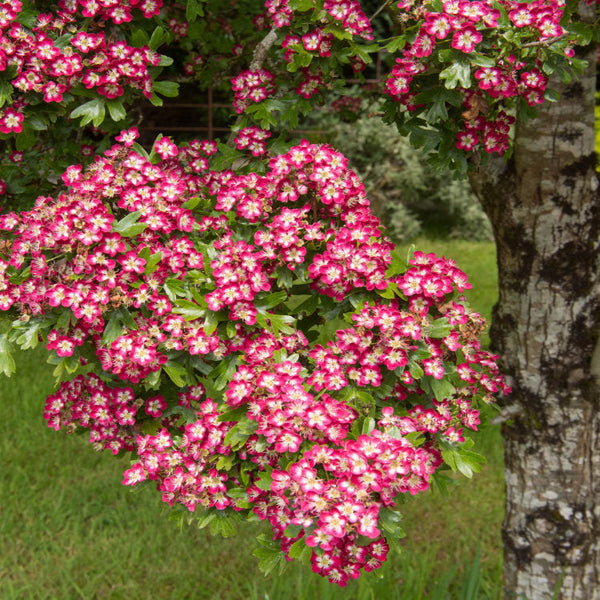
(173, 117)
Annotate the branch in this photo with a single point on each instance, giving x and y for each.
(382, 7)
(262, 49)
(258, 58)
(547, 42)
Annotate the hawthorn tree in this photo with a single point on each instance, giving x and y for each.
(232, 312)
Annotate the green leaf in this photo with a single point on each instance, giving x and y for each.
(237, 493)
(225, 463)
(300, 550)
(112, 329)
(308, 306)
(264, 481)
(116, 109)
(127, 319)
(170, 89)
(387, 293)
(301, 5)
(415, 369)
(189, 309)
(396, 44)
(276, 323)
(234, 415)
(389, 521)
(426, 139)
(193, 10)
(482, 61)
(38, 122)
(237, 436)
(156, 100)
(6, 90)
(230, 365)
(177, 373)
(26, 335)
(173, 288)
(128, 226)
(285, 277)
(7, 362)
(464, 461)
(222, 525)
(211, 322)
(442, 483)
(457, 72)
(442, 388)
(271, 300)
(292, 530)
(192, 203)
(368, 426)
(159, 36)
(152, 263)
(165, 61)
(90, 112)
(139, 38)
(25, 138)
(269, 559)
(437, 112)
(398, 265)
(440, 328)
(64, 320)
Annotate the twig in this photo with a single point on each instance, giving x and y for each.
(382, 7)
(258, 58)
(547, 42)
(262, 49)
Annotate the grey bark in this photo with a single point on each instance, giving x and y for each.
(545, 211)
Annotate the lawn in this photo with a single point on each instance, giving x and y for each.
(69, 529)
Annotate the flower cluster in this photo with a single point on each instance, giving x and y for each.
(116, 11)
(47, 67)
(462, 26)
(349, 13)
(108, 412)
(163, 273)
(252, 139)
(183, 471)
(252, 86)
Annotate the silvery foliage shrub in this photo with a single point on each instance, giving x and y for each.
(408, 194)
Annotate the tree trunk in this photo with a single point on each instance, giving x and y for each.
(544, 209)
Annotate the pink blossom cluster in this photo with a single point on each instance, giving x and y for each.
(336, 495)
(311, 83)
(51, 70)
(465, 24)
(178, 28)
(252, 139)
(150, 267)
(492, 134)
(314, 41)
(111, 10)
(252, 86)
(348, 12)
(105, 269)
(353, 256)
(183, 469)
(108, 412)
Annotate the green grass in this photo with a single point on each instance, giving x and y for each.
(70, 530)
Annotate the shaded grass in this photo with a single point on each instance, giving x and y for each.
(69, 529)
